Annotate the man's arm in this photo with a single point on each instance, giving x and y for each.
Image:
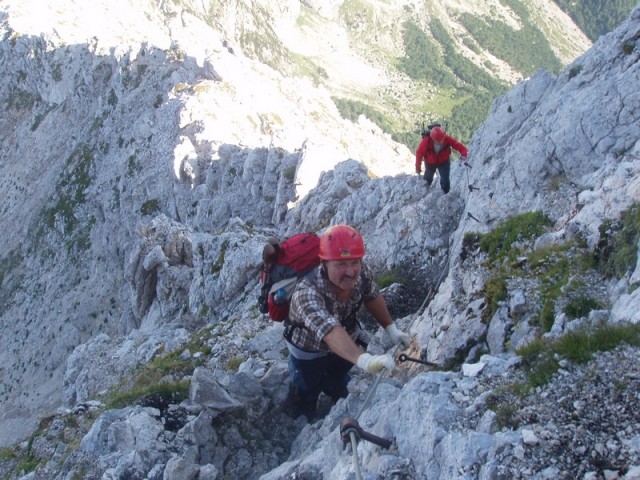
(458, 147)
(340, 343)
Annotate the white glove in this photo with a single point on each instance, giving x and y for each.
(376, 363)
(398, 337)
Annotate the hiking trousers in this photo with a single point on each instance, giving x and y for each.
(443, 173)
(328, 374)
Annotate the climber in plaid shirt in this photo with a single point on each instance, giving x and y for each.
(322, 333)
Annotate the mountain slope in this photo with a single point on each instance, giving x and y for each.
(119, 149)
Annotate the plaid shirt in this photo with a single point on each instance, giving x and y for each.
(315, 309)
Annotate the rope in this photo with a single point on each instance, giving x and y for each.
(352, 435)
(354, 449)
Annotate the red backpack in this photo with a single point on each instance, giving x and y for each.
(294, 258)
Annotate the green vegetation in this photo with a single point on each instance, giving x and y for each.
(436, 61)
(352, 109)
(234, 364)
(581, 306)
(422, 60)
(28, 462)
(596, 17)
(389, 278)
(7, 454)
(219, 263)
(477, 93)
(175, 391)
(555, 268)
(498, 243)
(541, 360)
(463, 69)
(20, 99)
(617, 252)
(157, 377)
(66, 215)
(289, 173)
(150, 207)
(541, 356)
(526, 49)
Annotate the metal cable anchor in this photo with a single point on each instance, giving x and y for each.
(351, 425)
(404, 358)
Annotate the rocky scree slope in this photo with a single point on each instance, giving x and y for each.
(106, 134)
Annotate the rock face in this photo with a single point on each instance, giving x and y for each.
(144, 228)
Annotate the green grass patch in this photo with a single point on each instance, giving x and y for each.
(7, 454)
(234, 364)
(389, 278)
(499, 242)
(541, 357)
(175, 391)
(617, 251)
(581, 306)
(158, 376)
(495, 291)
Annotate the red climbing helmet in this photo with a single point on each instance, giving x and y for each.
(341, 242)
(437, 134)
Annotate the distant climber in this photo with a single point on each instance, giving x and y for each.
(322, 333)
(435, 150)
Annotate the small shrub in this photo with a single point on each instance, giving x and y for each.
(7, 454)
(234, 364)
(289, 173)
(581, 306)
(617, 251)
(505, 404)
(150, 207)
(628, 48)
(547, 316)
(390, 278)
(575, 70)
(495, 291)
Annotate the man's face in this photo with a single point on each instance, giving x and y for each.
(344, 273)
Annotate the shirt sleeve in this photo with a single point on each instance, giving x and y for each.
(458, 147)
(311, 309)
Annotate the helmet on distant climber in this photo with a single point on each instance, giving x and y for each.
(341, 242)
(437, 134)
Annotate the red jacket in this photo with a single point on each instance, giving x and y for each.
(426, 151)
